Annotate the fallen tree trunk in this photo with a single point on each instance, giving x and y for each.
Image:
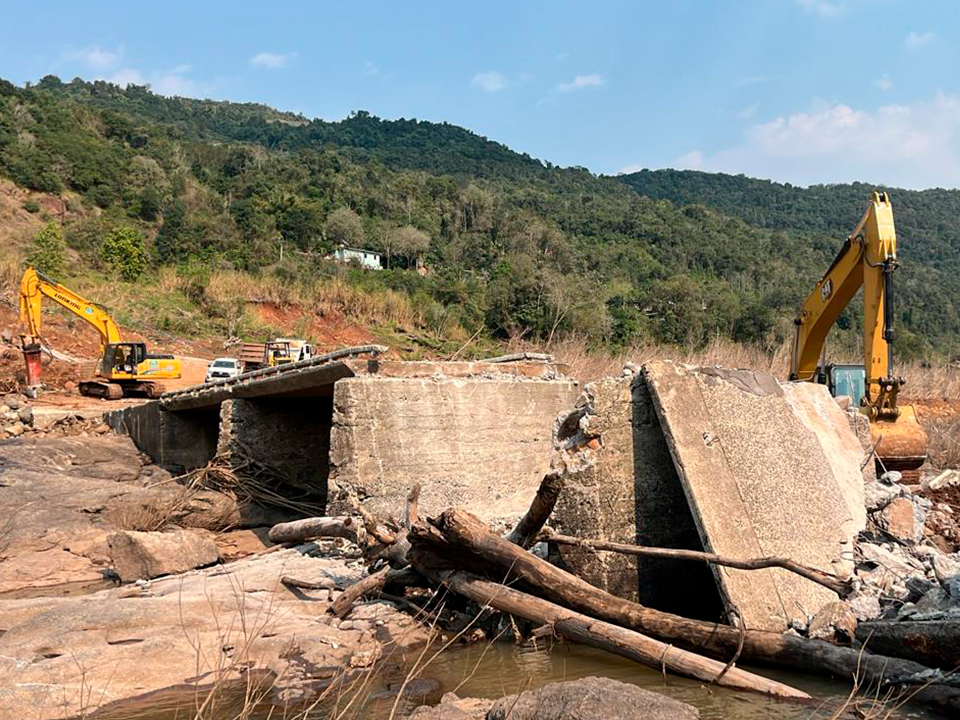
(833, 582)
(468, 536)
(526, 531)
(342, 606)
(606, 636)
(314, 527)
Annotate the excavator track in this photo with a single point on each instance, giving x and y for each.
(101, 389)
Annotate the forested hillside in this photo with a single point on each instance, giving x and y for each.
(513, 246)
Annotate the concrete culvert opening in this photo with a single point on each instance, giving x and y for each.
(289, 434)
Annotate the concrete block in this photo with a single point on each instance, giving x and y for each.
(752, 458)
(483, 443)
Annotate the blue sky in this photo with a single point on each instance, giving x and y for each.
(802, 91)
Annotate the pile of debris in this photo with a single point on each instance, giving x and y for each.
(16, 416)
(425, 563)
(907, 601)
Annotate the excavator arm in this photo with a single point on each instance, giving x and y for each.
(34, 285)
(867, 259)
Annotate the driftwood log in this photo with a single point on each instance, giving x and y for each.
(842, 587)
(468, 537)
(606, 636)
(525, 532)
(314, 527)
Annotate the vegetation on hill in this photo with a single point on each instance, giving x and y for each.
(514, 247)
(928, 232)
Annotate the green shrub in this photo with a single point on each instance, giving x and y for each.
(48, 251)
(122, 252)
(31, 206)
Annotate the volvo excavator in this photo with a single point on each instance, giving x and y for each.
(867, 259)
(125, 368)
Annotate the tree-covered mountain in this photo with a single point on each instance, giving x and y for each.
(928, 226)
(513, 245)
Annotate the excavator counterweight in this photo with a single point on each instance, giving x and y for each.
(867, 260)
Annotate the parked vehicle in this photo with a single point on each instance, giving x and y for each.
(223, 368)
(255, 356)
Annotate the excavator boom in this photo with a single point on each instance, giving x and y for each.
(867, 260)
(34, 285)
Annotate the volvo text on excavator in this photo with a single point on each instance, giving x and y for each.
(867, 259)
(125, 368)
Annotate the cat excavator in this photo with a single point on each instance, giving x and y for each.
(125, 368)
(867, 259)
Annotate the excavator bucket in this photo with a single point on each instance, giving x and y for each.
(901, 444)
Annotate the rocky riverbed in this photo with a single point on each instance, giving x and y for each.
(70, 505)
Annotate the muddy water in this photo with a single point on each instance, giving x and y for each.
(499, 669)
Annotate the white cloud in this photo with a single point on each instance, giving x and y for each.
(749, 111)
(913, 146)
(526, 77)
(884, 83)
(822, 8)
(371, 68)
(94, 56)
(692, 160)
(127, 76)
(582, 81)
(916, 40)
(272, 61)
(170, 82)
(632, 168)
(490, 82)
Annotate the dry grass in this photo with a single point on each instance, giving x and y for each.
(586, 364)
(11, 269)
(943, 442)
(158, 511)
(386, 307)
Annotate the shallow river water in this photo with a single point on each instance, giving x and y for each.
(494, 670)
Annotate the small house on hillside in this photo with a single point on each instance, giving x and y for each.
(366, 258)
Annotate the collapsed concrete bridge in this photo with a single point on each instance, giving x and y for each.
(477, 434)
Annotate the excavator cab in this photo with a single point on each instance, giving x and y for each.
(849, 380)
(123, 359)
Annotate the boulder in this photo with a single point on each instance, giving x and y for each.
(25, 414)
(836, 623)
(452, 707)
(590, 698)
(145, 555)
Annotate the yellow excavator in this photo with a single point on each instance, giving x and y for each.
(125, 368)
(867, 259)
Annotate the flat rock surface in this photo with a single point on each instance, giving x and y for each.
(753, 460)
(63, 657)
(61, 497)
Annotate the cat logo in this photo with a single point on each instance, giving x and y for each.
(826, 290)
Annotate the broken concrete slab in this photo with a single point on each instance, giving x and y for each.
(620, 485)
(754, 467)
